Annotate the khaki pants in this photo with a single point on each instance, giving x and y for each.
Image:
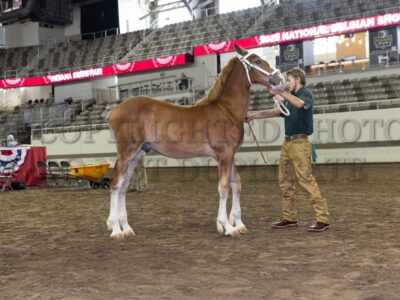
(295, 166)
(139, 176)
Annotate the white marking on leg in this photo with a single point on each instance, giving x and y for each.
(235, 217)
(123, 216)
(113, 219)
(222, 219)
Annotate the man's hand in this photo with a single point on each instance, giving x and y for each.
(249, 118)
(277, 89)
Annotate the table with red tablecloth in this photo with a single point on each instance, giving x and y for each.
(25, 159)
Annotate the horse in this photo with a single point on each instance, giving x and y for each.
(213, 126)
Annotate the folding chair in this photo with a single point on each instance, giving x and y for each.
(7, 175)
(56, 172)
(65, 169)
(46, 173)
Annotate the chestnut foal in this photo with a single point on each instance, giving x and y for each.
(211, 127)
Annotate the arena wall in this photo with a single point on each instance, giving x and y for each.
(345, 137)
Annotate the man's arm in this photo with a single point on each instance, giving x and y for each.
(269, 113)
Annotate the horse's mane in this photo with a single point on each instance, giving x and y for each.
(216, 89)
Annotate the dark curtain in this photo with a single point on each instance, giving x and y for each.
(99, 17)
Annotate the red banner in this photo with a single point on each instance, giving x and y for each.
(153, 63)
(388, 19)
(25, 160)
(301, 34)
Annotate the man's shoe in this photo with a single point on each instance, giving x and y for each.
(283, 223)
(319, 226)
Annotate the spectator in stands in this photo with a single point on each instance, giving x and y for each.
(11, 142)
(184, 82)
(139, 177)
(69, 100)
(295, 157)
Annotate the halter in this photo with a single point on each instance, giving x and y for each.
(282, 107)
(248, 66)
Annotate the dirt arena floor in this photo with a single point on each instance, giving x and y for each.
(54, 242)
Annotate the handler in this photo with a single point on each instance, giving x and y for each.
(295, 157)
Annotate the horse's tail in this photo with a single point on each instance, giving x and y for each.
(106, 114)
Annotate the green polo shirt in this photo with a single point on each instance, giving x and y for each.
(300, 120)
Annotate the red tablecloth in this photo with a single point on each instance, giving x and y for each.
(26, 159)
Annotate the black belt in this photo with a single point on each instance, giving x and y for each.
(296, 137)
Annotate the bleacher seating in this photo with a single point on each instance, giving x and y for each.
(74, 55)
(374, 92)
(181, 37)
(296, 14)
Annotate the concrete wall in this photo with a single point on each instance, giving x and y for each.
(9, 98)
(363, 136)
(31, 34)
(21, 35)
(35, 92)
(53, 35)
(73, 31)
(79, 90)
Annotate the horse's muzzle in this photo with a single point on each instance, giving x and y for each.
(277, 78)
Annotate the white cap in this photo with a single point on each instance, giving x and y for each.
(10, 138)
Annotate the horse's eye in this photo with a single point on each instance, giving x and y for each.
(258, 62)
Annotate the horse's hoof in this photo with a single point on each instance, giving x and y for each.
(117, 236)
(235, 234)
(127, 233)
(242, 229)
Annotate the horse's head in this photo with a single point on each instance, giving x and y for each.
(258, 70)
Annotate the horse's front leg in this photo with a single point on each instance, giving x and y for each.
(235, 217)
(223, 189)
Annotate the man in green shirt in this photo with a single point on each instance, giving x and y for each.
(295, 157)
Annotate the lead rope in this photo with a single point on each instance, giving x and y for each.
(258, 146)
(282, 107)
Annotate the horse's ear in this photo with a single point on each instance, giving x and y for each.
(240, 50)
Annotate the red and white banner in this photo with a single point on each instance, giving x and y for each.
(388, 19)
(162, 62)
(303, 33)
(26, 163)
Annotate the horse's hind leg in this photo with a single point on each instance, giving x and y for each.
(119, 183)
(127, 231)
(235, 217)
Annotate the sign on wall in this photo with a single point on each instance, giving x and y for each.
(383, 46)
(290, 56)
